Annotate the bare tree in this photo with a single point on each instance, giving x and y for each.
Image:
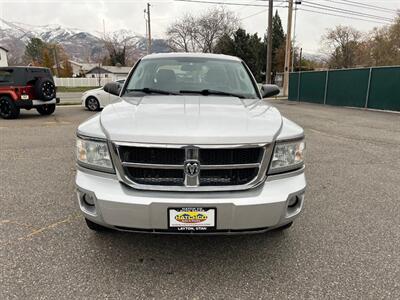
(213, 25)
(201, 33)
(342, 43)
(120, 47)
(384, 45)
(182, 34)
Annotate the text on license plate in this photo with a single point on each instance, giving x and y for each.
(190, 218)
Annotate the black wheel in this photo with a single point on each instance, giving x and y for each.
(8, 109)
(46, 109)
(286, 226)
(45, 89)
(92, 104)
(94, 226)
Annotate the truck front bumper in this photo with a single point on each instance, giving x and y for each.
(34, 103)
(124, 208)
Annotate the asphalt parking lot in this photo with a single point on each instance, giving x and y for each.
(345, 245)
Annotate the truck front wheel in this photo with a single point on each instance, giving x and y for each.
(8, 108)
(46, 109)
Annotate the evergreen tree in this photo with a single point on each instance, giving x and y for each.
(34, 50)
(67, 68)
(253, 50)
(245, 46)
(278, 44)
(47, 60)
(278, 35)
(225, 45)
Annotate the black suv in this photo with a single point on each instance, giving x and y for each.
(26, 88)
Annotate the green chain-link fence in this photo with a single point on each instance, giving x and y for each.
(377, 88)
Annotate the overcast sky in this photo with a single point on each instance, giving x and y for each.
(128, 14)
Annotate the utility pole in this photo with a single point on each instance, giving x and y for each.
(269, 43)
(288, 49)
(297, 2)
(104, 30)
(98, 73)
(145, 20)
(56, 61)
(294, 36)
(148, 29)
(301, 53)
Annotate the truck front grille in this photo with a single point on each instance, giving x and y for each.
(165, 168)
(155, 176)
(227, 177)
(152, 155)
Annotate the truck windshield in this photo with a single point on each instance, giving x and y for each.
(179, 76)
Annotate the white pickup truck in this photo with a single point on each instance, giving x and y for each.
(191, 148)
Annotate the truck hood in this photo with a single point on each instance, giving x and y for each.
(191, 120)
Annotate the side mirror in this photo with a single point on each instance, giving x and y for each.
(269, 90)
(113, 88)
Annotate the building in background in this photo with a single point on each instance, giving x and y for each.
(99, 70)
(113, 72)
(80, 69)
(3, 57)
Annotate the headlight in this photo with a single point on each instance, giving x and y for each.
(93, 154)
(287, 156)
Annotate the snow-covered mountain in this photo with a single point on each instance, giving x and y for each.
(80, 45)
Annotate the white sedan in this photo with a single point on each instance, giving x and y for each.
(96, 99)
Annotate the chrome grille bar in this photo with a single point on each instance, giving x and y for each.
(179, 167)
(230, 166)
(151, 166)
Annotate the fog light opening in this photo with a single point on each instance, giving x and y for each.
(293, 201)
(88, 199)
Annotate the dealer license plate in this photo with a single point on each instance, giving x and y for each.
(191, 219)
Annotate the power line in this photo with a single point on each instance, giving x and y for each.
(344, 2)
(242, 9)
(361, 5)
(342, 16)
(260, 12)
(256, 14)
(226, 3)
(344, 11)
(355, 3)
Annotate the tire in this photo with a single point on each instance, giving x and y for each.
(46, 110)
(8, 109)
(94, 226)
(45, 89)
(284, 227)
(92, 104)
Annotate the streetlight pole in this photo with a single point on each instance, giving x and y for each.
(148, 28)
(288, 49)
(294, 36)
(297, 2)
(269, 43)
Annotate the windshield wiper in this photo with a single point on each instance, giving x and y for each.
(152, 91)
(207, 92)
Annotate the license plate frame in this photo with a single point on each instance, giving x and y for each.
(195, 224)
